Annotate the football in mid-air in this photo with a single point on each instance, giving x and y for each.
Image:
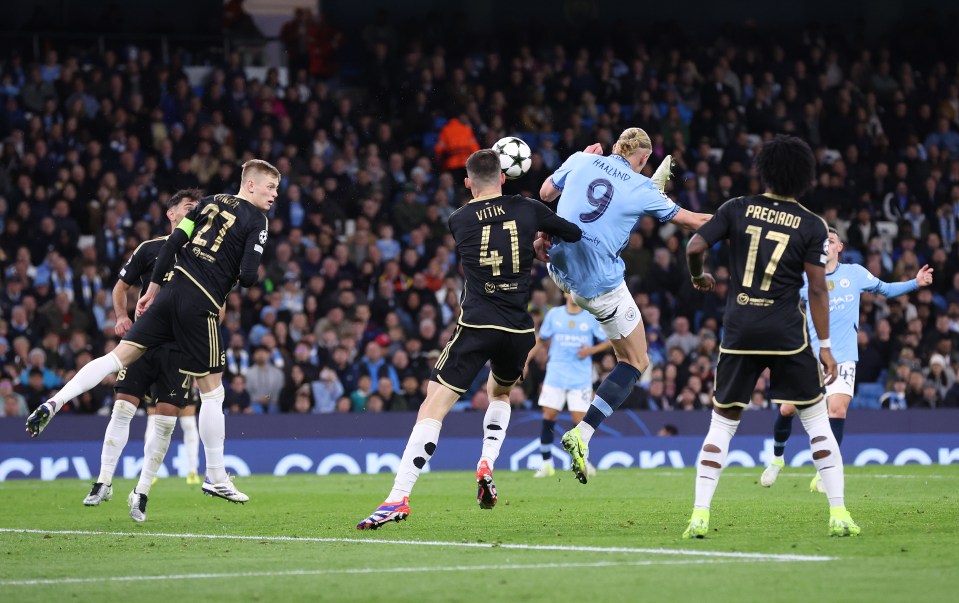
(514, 156)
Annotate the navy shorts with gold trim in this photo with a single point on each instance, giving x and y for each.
(183, 314)
(793, 378)
(156, 377)
(468, 350)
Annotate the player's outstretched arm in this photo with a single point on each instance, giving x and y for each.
(923, 279)
(556, 226)
(819, 308)
(690, 220)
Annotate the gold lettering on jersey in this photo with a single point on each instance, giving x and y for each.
(773, 216)
(227, 200)
(490, 212)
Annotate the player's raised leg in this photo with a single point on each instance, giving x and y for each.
(419, 450)
(782, 429)
(621, 322)
(86, 379)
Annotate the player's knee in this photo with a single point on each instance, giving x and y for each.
(837, 410)
(787, 410)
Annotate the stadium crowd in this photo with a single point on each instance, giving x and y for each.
(359, 286)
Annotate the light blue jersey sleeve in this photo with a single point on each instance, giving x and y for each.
(804, 292)
(546, 328)
(868, 282)
(655, 203)
(559, 176)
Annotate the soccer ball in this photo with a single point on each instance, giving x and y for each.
(513, 156)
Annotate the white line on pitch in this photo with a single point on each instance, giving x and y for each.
(740, 473)
(476, 545)
(368, 570)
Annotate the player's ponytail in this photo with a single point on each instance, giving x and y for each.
(630, 141)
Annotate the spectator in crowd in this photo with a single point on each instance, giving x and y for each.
(264, 382)
(237, 399)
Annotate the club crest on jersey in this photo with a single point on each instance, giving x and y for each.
(844, 283)
(583, 327)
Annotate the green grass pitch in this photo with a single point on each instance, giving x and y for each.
(614, 539)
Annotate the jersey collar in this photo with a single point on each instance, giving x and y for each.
(484, 198)
(780, 198)
(621, 158)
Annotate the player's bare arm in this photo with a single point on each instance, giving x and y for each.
(695, 259)
(548, 192)
(819, 308)
(690, 220)
(123, 324)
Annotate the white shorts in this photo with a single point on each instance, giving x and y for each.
(845, 383)
(615, 310)
(578, 400)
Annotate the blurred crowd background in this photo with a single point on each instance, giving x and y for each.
(370, 128)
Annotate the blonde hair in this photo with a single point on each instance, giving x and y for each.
(258, 166)
(630, 141)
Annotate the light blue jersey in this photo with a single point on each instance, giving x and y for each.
(605, 198)
(567, 334)
(845, 284)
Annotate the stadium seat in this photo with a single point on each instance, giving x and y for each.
(554, 136)
(868, 395)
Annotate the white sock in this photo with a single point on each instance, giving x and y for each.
(191, 439)
(586, 431)
(87, 378)
(419, 450)
(115, 438)
(711, 462)
(148, 434)
(823, 442)
(213, 434)
(154, 454)
(494, 430)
